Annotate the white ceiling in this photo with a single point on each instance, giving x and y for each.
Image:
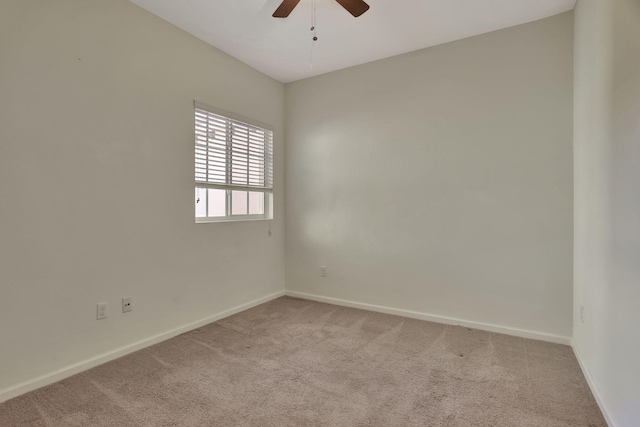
(283, 49)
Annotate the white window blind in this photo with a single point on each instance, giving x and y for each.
(233, 167)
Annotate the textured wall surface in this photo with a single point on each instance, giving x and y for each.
(97, 183)
(607, 202)
(440, 181)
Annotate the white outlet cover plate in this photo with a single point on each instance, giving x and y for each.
(102, 311)
(127, 305)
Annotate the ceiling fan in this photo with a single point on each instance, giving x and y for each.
(354, 7)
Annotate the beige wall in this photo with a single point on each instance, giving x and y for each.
(440, 181)
(607, 203)
(96, 183)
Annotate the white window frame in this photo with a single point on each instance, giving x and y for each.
(210, 183)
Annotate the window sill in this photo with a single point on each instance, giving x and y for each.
(227, 219)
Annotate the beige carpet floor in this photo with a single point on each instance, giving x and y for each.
(292, 362)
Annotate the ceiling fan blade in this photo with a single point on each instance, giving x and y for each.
(355, 7)
(285, 8)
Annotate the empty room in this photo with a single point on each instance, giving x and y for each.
(320, 213)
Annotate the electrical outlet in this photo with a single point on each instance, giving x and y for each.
(102, 311)
(127, 305)
(323, 271)
(582, 313)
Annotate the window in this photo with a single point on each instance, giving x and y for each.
(233, 168)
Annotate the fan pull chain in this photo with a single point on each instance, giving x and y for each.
(314, 37)
(313, 21)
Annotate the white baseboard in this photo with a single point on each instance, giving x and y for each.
(70, 370)
(593, 386)
(523, 333)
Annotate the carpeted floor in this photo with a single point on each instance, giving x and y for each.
(292, 362)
